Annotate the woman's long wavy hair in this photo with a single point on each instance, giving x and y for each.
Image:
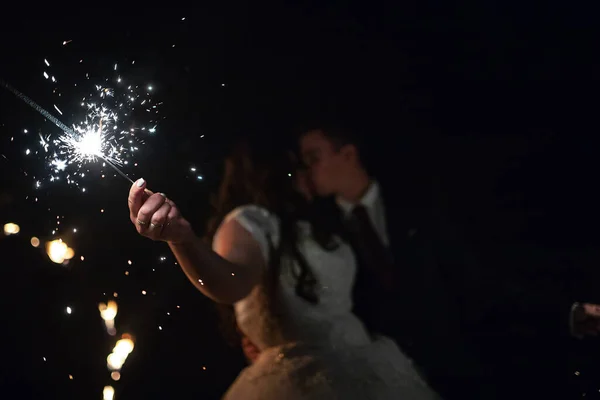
(259, 176)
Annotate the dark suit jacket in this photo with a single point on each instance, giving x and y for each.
(434, 281)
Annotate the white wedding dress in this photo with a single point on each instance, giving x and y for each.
(323, 351)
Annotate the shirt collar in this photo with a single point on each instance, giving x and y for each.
(368, 199)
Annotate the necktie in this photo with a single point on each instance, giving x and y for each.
(375, 257)
(374, 278)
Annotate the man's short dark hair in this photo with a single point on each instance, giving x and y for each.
(338, 134)
(341, 135)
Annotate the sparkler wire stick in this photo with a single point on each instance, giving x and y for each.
(117, 170)
(56, 122)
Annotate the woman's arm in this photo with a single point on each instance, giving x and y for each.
(228, 273)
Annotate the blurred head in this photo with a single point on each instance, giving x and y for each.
(332, 159)
(255, 175)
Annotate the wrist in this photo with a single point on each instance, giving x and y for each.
(186, 236)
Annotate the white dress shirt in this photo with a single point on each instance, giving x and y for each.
(373, 202)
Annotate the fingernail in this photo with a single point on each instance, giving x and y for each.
(140, 182)
(163, 195)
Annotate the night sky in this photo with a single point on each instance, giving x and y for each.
(490, 105)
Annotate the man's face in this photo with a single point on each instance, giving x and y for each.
(325, 163)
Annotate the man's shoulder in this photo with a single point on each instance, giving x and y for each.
(406, 201)
(415, 209)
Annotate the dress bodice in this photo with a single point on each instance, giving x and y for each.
(330, 322)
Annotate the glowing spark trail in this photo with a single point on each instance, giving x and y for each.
(36, 107)
(83, 143)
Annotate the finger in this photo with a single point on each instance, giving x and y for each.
(171, 218)
(159, 219)
(174, 212)
(136, 197)
(149, 207)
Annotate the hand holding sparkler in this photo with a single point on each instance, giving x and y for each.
(157, 217)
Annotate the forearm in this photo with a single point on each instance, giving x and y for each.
(220, 280)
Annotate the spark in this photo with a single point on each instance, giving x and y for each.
(60, 165)
(99, 130)
(47, 63)
(67, 42)
(46, 75)
(44, 142)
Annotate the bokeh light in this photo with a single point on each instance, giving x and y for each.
(35, 242)
(59, 252)
(108, 393)
(11, 229)
(122, 349)
(108, 312)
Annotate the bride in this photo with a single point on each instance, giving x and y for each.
(289, 274)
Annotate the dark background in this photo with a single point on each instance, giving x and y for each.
(492, 105)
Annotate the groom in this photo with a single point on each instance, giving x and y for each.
(409, 274)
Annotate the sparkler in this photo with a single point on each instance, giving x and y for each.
(83, 143)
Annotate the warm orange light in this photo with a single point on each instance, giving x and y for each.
(69, 254)
(108, 311)
(35, 242)
(108, 393)
(57, 250)
(122, 349)
(11, 229)
(124, 346)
